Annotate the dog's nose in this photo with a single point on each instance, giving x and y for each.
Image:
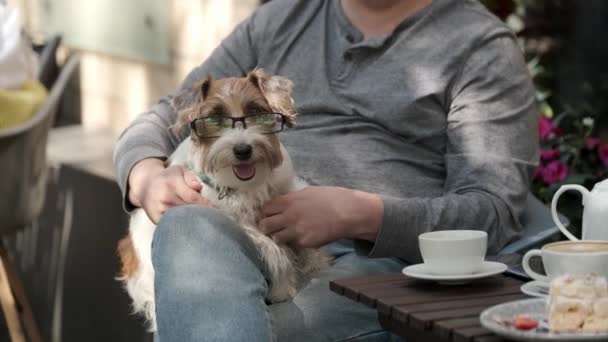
(242, 151)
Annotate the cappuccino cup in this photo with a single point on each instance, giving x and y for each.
(569, 257)
(453, 252)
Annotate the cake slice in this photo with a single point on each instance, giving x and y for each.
(578, 303)
(598, 322)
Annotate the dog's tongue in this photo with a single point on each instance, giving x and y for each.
(244, 171)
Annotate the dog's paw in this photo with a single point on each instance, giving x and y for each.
(152, 326)
(281, 293)
(150, 315)
(312, 260)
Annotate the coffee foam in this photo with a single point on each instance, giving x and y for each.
(578, 247)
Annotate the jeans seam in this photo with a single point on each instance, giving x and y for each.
(155, 239)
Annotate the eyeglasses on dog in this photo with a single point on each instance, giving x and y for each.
(212, 126)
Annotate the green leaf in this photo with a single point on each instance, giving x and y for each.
(577, 178)
(546, 110)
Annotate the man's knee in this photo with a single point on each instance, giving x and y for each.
(185, 227)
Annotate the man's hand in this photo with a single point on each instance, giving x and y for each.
(318, 215)
(156, 188)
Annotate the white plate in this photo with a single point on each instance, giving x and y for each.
(421, 271)
(535, 309)
(535, 288)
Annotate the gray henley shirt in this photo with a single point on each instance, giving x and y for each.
(438, 117)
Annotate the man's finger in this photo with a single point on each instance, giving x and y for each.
(157, 212)
(154, 216)
(276, 205)
(192, 180)
(284, 236)
(187, 194)
(272, 224)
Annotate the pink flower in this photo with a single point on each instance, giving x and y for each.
(548, 155)
(545, 128)
(558, 131)
(554, 172)
(538, 173)
(603, 153)
(591, 142)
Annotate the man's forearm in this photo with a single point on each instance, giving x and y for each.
(367, 216)
(139, 177)
(147, 136)
(405, 218)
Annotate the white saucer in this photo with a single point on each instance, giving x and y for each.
(488, 268)
(535, 288)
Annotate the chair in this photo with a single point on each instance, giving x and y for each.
(69, 106)
(538, 227)
(49, 68)
(22, 185)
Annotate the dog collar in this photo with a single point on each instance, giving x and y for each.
(222, 191)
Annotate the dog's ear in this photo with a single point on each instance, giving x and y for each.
(188, 100)
(277, 91)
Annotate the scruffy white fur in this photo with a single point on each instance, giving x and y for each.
(285, 266)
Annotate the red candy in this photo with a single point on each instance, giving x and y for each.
(524, 323)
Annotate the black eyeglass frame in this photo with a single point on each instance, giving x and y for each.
(236, 119)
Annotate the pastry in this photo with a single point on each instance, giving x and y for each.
(578, 303)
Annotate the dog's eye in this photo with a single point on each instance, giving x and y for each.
(218, 121)
(254, 109)
(210, 126)
(264, 119)
(266, 122)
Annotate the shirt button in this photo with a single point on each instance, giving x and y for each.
(349, 38)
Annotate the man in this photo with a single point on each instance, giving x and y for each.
(414, 116)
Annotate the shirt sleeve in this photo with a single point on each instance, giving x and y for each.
(150, 136)
(491, 153)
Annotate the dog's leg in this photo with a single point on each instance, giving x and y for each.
(280, 265)
(137, 271)
(283, 274)
(311, 260)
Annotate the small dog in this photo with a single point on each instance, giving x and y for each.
(235, 152)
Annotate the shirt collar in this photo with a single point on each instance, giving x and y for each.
(357, 37)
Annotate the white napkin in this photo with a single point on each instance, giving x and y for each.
(18, 61)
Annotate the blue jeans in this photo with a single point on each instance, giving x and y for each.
(210, 286)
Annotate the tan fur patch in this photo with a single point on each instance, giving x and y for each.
(278, 93)
(128, 258)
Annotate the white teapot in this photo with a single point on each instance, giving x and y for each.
(595, 213)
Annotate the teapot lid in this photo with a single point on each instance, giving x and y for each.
(603, 185)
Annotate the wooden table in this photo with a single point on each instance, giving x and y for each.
(427, 311)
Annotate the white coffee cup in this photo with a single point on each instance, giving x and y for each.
(569, 257)
(453, 252)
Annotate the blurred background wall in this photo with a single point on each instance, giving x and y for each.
(117, 88)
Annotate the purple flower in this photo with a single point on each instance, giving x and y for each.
(603, 153)
(554, 172)
(591, 142)
(545, 128)
(548, 155)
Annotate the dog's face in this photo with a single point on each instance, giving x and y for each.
(234, 122)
